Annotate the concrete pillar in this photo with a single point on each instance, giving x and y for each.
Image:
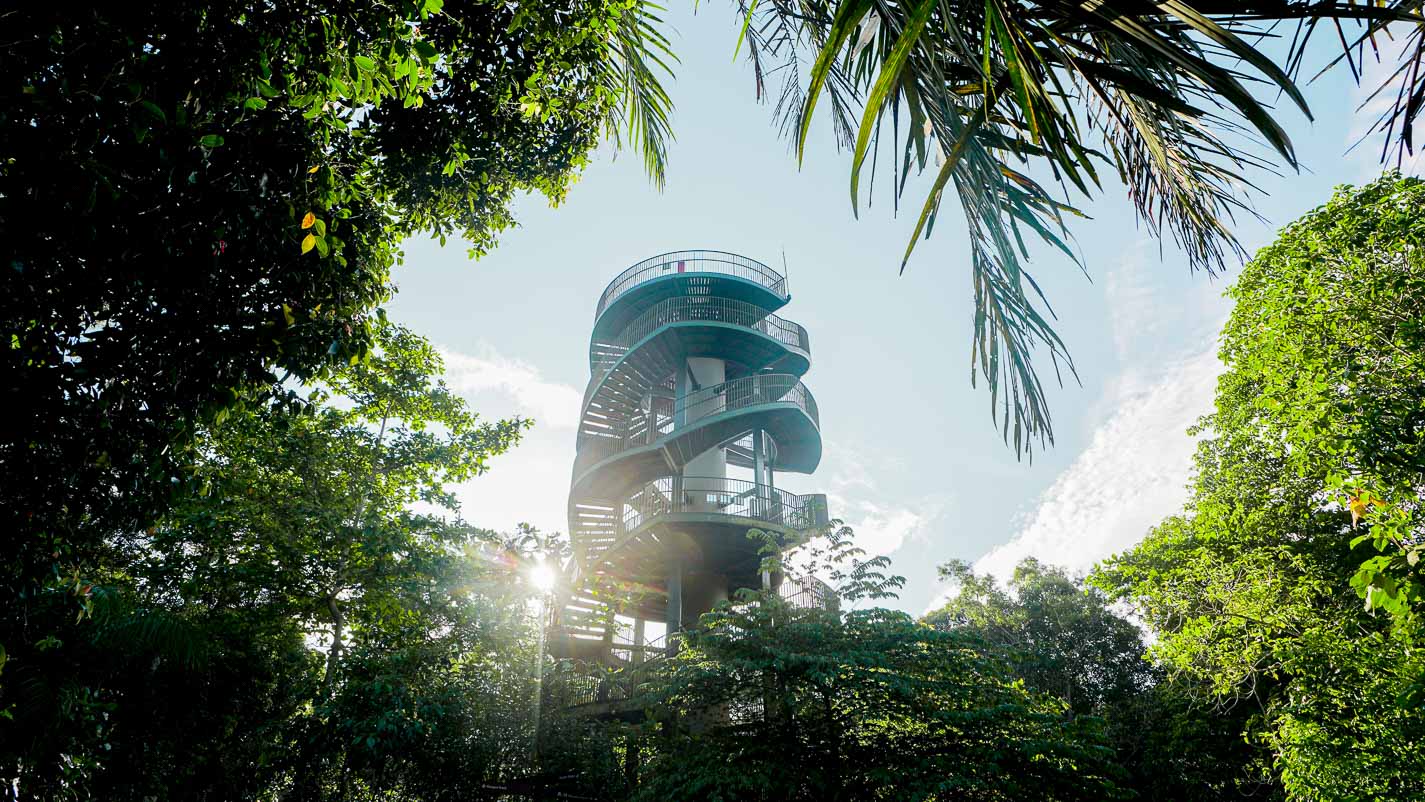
(759, 470)
(681, 387)
(759, 456)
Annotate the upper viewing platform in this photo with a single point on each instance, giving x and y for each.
(688, 274)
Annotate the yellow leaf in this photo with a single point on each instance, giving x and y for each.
(309, 220)
(315, 168)
(287, 314)
(1358, 509)
(309, 242)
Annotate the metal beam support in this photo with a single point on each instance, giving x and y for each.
(759, 466)
(674, 616)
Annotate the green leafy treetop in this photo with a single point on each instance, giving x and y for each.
(1257, 592)
(766, 701)
(312, 620)
(202, 202)
(1063, 639)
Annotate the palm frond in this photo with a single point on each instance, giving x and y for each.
(639, 54)
(1170, 96)
(1403, 85)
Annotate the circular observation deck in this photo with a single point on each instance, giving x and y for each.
(688, 274)
(708, 517)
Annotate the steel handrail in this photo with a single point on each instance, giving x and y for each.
(694, 308)
(719, 496)
(662, 419)
(805, 591)
(588, 684)
(698, 261)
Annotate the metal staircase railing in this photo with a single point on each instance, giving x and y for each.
(604, 353)
(660, 418)
(806, 592)
(720, 496)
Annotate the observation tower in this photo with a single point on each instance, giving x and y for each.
(695, 403)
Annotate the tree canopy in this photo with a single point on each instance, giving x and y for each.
(1250, 591)
(1062, 639)
(767, 700)
(294, 621)
(201, 203)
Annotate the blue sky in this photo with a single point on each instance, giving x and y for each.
(911, 459)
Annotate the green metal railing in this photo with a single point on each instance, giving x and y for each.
(719, 496)
(604, 354)
(646, 426)
(806, 592)
(633, 653)
(584, 683)
(719, 262)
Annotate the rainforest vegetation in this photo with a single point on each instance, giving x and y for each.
(233, 562)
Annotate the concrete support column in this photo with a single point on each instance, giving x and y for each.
(710, 467)
(759, 456)
(682, 385)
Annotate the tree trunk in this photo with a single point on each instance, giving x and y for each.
(334, 653)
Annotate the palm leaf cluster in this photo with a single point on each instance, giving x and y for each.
(638, 54)
(1019, 109)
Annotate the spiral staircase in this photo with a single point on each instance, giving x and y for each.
(692, 372)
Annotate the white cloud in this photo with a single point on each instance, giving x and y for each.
(880, 530)
(848, 476)
(1130, 293)
(1132, 475)
(529, 484)
(520, 385)
(1158, 306)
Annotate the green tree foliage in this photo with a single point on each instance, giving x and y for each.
(1249, 591)
(312, 620)
(1062, 639)
(771, 701)
(200, 202)
(1328, 336)
(1171, 99)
